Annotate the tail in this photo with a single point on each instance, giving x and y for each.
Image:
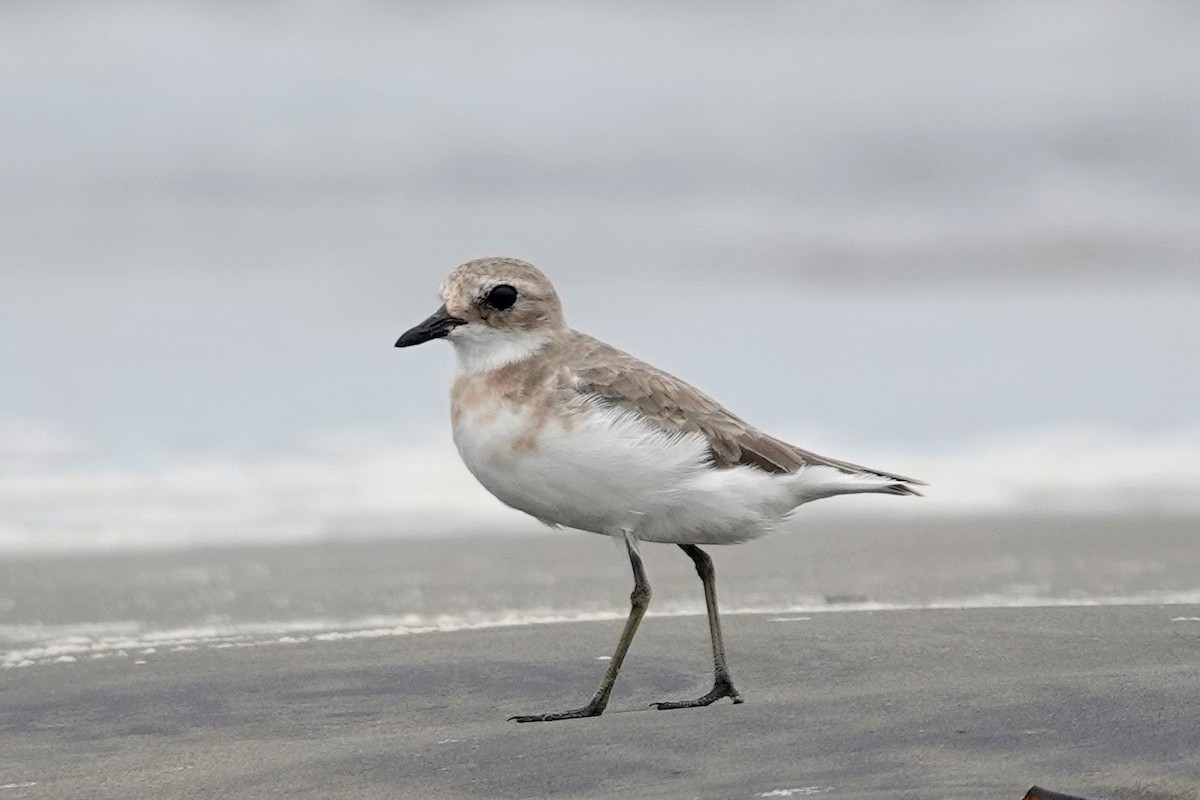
(818, 481)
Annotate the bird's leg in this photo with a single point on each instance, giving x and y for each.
(722, 683)
(639, 601)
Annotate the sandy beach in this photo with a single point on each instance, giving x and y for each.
(974, 703)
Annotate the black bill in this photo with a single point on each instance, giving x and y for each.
(437, 326)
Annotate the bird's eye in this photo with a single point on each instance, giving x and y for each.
(501, 297)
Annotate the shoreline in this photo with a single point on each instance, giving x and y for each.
(69, 644)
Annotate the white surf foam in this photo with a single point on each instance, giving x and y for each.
(38, 645)
(357, 489)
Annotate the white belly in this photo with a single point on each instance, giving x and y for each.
(606, 471)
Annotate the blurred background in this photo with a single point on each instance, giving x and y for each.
(954, 240)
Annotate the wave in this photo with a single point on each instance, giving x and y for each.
(356, 489)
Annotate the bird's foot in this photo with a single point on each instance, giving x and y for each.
(590, 710)
(722, 688)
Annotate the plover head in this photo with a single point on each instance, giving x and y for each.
(494, 311)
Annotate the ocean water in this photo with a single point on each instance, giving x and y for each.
(58, 611)
(953, 241)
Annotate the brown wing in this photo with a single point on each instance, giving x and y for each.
(612, 376)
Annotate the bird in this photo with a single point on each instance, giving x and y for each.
(579, 434)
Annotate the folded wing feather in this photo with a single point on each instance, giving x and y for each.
(612, 376)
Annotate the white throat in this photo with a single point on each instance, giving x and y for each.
(483, 349)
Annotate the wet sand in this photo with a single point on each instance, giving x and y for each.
(1103, 702)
